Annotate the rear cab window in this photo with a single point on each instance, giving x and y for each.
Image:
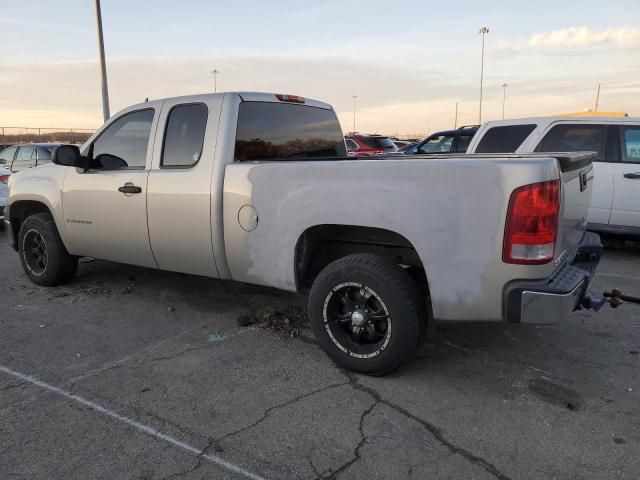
(576, 138)
(184, 136)
(285, 131)
(505, 139)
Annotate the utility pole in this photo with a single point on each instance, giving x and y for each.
(103, 67)
(504, 97)
(483, 32)
(354, 113)
(598, 97)
(455, 121)
(215, 80)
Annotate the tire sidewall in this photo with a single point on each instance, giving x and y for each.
(54, 246)
(405, 330)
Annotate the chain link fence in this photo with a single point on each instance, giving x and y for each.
(14, 135)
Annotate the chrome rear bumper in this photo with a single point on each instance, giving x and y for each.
(550, 300)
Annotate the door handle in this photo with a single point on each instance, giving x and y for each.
(632, 175)
(130, 188)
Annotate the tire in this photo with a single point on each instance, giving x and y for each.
(44, 257)
(367, 313)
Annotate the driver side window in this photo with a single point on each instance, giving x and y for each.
(123, 145)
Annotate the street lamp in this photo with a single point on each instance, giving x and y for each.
(483, 31)
(215, 80)
(103, 68)
(354, 112)
(504, 97)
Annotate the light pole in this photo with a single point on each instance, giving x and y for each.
(504, 97)
(598, 97)
(455, 121)
(354, 112)
(483, 31)
(215, 80)
(103, 67)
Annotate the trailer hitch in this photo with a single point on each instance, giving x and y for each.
(615, 298)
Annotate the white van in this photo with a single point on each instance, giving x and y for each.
(615, 202)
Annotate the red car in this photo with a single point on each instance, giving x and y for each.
(361, 145)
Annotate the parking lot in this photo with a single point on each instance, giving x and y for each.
(134, 373)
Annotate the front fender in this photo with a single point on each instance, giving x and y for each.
(42, 185)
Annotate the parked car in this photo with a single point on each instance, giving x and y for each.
(361, 145)
(19, 157)
(615, 203)
(257, 188)
(448, 141)
(4, 179)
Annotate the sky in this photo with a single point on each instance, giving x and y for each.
(408, 62)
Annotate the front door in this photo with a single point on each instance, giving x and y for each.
(105, 208)
(626, 180)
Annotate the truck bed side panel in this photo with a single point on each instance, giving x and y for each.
(451, 210)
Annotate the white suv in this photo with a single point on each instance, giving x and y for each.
(615, 203)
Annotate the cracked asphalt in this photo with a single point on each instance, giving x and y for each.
(165, 351)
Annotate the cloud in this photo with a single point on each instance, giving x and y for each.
(579, 37)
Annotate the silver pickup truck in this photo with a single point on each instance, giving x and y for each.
(258, 188)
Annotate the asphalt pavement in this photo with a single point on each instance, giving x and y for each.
(131, 373)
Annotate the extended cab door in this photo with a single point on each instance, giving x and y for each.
(180, 193)
(626, 179)
(105, 208)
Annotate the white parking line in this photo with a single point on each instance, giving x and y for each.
(134, 424)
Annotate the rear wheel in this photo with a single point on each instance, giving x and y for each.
(44, 257)
(367, 313)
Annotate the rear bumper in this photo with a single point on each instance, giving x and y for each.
(550, 300)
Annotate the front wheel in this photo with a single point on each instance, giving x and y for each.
(367, 313)
(43, 256)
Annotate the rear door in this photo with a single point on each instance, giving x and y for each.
(625, 210)
(577, 137)
(179, 195)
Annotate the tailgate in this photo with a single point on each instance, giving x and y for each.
(576, 175)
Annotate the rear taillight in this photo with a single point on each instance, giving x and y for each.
(532, 224)
(378, 151)
(290, 98)
(4, 178)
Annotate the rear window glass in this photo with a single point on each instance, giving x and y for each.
(283, 131)
(184, 136)
(378, 142)
(575, 138)
(505, 139)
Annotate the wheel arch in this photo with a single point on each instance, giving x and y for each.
(320, 245)
(20, 210)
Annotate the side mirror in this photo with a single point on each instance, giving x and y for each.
(67, 156)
